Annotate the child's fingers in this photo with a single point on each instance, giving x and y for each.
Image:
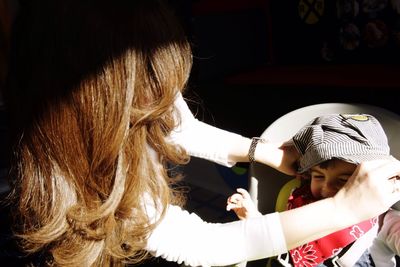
(232, 206)
(234, 202)
(235, 198)
(244, 193)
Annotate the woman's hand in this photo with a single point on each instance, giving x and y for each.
(280, 156)
(371, 190)
(242, 205)
(368, 193)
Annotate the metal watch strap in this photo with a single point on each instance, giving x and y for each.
(252, 149)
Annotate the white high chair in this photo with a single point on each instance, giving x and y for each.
(265, 182)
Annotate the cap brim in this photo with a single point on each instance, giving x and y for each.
(355, 159)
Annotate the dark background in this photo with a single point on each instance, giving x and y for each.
(255, 60)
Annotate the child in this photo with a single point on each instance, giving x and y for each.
(387, 244)
(331, 147)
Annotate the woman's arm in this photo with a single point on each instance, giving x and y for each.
(205, 141)
(367, 194)
(224, 147)
(184, 237)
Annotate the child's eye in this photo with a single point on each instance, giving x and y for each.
(318, 177)
(344, 178)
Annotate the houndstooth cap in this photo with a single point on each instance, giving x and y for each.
(350, 137)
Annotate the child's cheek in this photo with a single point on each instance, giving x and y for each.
(316, 190)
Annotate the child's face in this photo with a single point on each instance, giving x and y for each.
(326, 182)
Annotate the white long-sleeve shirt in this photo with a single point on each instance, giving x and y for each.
(200, 139)
(184, 237)
(387, 244)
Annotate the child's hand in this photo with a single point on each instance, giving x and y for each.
(242, 205)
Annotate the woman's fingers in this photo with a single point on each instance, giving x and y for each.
(389, 176)
(280, 156)
(289, 159)
(371, 189)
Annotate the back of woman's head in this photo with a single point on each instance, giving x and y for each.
(91, 92)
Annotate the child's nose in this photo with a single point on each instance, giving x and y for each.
(328, 191)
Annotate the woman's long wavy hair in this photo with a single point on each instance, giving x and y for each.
(91, 93)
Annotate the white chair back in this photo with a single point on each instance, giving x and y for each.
(265, 182)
